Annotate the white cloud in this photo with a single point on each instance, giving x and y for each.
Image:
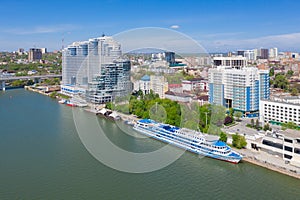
(289, 41)
(41, 29)
(175, 26)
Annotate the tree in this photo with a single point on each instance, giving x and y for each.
(252, 122)
(218, 114)
(267, 127)
(228, 120)
(238, 115)
(223, 137)
(289, 73)
(294, 92)
(290, 125)
(281, 81)
(231, 111)
(257, 124)
(271, 73)
(239, 141)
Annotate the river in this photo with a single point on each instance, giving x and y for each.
(42, 157)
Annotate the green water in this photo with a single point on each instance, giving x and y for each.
(42, 157)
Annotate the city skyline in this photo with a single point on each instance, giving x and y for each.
(217, 26)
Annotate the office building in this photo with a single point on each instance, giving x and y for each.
(240, 89)
(34, 54)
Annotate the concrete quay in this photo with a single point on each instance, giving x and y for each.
(268, 161)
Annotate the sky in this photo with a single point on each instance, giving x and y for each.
(218, 26)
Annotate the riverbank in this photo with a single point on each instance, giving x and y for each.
(259, 158)
(271, 162)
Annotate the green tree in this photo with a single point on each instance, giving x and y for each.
(289, 73)
(238, 115)
(218, 114)
(53, 94)
(267, 127)
(290, 125)
(252, 122)
(239, 141)
(231, 111)
(281, 81)
(223, 137)
(271, 73)
(257, 124)
(294, 92)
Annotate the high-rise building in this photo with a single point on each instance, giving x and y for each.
(233, 61)
(249, 55)
(240, 89)
(44, 50)
(82, 60)
(273, 52)
(34, 54)
(240, 52)
(96, 65)
(170, 57)
(112, 81)
(264, 54)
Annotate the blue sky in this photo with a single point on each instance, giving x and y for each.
(219, 26)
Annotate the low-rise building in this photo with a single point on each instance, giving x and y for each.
(285, 145)
(280, 110)
(194, 84)
(181, 97)
(71, 90)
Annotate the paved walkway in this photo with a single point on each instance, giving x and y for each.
(272, 162)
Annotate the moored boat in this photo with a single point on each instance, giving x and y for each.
(194, 141)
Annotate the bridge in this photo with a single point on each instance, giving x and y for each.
(36, 78)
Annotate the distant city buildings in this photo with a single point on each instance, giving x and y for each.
(240, 89)
(34, 54)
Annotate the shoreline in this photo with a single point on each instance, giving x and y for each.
(256, 158)
(248, 155)
(271, 167)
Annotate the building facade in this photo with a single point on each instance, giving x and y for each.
(278, 111)
(96, 66)
(159, 85)
(240, 89)
(82, 60)
(144, 84)
(112, 81)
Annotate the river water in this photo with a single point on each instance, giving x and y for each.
(42, 157)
